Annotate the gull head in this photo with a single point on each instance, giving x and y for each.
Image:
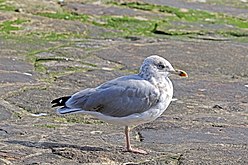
(156, 66)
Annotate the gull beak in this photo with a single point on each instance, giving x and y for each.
(179, 72)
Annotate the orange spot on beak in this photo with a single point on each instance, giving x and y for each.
(182, 73)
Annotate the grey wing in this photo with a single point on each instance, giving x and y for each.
(121, 99)
(79, 99)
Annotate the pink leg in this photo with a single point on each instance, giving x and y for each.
(129, 148)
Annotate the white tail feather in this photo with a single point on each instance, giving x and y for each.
(66, 110)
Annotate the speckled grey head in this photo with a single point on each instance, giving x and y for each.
(156, 66)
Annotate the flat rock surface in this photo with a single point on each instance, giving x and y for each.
(51, 49)
(237, 8)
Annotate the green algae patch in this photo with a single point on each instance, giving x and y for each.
(12, 25)
(187, 15)
(175, 13)
(65, 16)
(53, 36)
(128, 25)
(6, 7)
(238, 22)
(234, 33)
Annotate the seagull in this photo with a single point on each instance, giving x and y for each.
(128, 100)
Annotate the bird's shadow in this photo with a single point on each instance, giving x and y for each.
(52, 145)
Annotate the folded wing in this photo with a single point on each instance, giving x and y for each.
(118, 98)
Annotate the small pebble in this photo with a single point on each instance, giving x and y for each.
(217, 106)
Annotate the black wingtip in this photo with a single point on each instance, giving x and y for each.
(60, 101)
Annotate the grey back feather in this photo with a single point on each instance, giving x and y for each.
(119, 97)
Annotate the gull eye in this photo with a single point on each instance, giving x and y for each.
(161, 66)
